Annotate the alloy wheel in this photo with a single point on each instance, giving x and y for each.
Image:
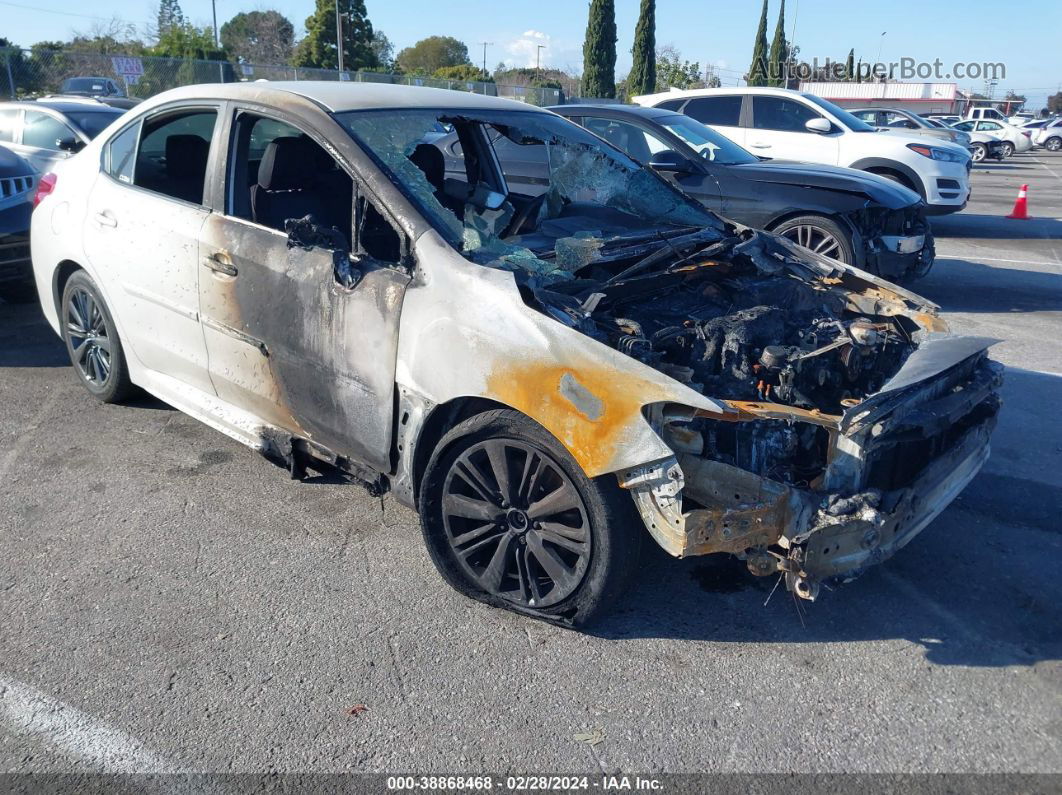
(815, 238)
(89, 336)
(516, 523)
(978, 153)
(1053, 144)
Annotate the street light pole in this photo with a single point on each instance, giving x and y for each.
(217, 41)
(339, 37)
(538, 59)
(485, 45)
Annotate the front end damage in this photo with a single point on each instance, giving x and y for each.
(895, 244)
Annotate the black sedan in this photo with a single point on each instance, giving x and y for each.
(853, 216)
(17, 181)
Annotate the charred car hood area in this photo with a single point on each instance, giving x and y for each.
(849, 416)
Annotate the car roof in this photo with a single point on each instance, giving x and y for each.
(619, 110)
(338, 96)
(66, 105)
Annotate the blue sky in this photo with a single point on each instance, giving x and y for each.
(710, 31)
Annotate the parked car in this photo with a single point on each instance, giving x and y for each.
(47, 131)
(892, 120)
(983, 146)
(947, 118)
(1050, 135)
(17, 183)
(790, 125)
(546, 378)
(91, 87)
(858, 218)
(985, 114)
(1014, 139)
(1021, 117)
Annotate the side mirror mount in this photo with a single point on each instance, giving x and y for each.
(69, 144)
(818, 125)
(670, 160)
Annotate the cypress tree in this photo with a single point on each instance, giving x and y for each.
(758, 69)
(779, 52)
(599, 50)
(642, 79)
(319, 47)
(849, 66)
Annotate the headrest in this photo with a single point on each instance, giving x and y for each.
(289, 163)
(186, 154)
(429, 159)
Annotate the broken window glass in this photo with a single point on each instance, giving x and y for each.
(559, 200)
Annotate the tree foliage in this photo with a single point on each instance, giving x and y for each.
(599, 50)
(431, 54)
(779, 52)
(1054, 103)
(168, 16)
(384, 51)
(319, 49)
(642, 77)
(673, 72)
(464, 72)
(757, 75)
(259, 37)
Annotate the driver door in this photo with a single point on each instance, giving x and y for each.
(302, 331)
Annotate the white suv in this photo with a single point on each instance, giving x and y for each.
(790, 125)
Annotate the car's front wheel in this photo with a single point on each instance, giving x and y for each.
(820, 234)
(978, 152)
(1053, 144)
(510, 519)
(92, 341)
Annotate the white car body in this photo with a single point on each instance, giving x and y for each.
(943, 183)
(1020, 139)
(1050, 135)
(981, 114)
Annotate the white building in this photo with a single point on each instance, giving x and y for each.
(919, 98)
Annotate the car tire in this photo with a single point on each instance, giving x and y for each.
(1053, 144)
(19, 293)
(824, 235)
(510, 519)
(92, 341)
(1008, 149)
(978, 152)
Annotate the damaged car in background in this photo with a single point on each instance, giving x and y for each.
(546, 376)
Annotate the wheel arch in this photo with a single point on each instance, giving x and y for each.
(879, 165)
(60, 276)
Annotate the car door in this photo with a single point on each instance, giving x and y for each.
(40, 140)
(641, 143)
(992, 128)
(302, 329)
(721, 112)
(778, 131)
(141, 234)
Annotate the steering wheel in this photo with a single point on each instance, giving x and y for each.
(524, 215)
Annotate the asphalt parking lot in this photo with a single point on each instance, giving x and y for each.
(171, 601)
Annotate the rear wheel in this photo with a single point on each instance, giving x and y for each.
(92, 341)
(1053, 144)
(510, 519)
(820, 234)
(1008, 149)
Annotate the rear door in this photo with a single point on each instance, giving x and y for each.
(141, 233)
(302, 331)
(778, 131)
(721, 112)
(42, 135)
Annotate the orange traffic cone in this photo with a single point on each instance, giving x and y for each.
(1021, 206)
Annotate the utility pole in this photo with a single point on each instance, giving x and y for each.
(339, 37)
(538, 59)
(485, 45)
(217, 41)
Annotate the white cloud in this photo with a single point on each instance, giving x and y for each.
(523, 51)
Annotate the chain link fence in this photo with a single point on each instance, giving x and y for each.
(26, 74)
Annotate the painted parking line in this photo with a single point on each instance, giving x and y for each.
(26, 711)
(978, 255)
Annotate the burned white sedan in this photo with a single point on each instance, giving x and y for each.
(547, 370)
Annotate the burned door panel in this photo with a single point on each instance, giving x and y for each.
(290, 344)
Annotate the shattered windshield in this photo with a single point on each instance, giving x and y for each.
(524, 190)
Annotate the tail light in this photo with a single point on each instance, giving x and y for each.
(45, 185)
(1026, 133)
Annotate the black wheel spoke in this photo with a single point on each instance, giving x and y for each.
(495, 571)
(472, 535)
(499, 464)
(557, 501)
(562, 541)
(470, 508)
(550, 562)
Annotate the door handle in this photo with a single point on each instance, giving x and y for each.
(759, 146)
(220, 262)
(104, 218)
